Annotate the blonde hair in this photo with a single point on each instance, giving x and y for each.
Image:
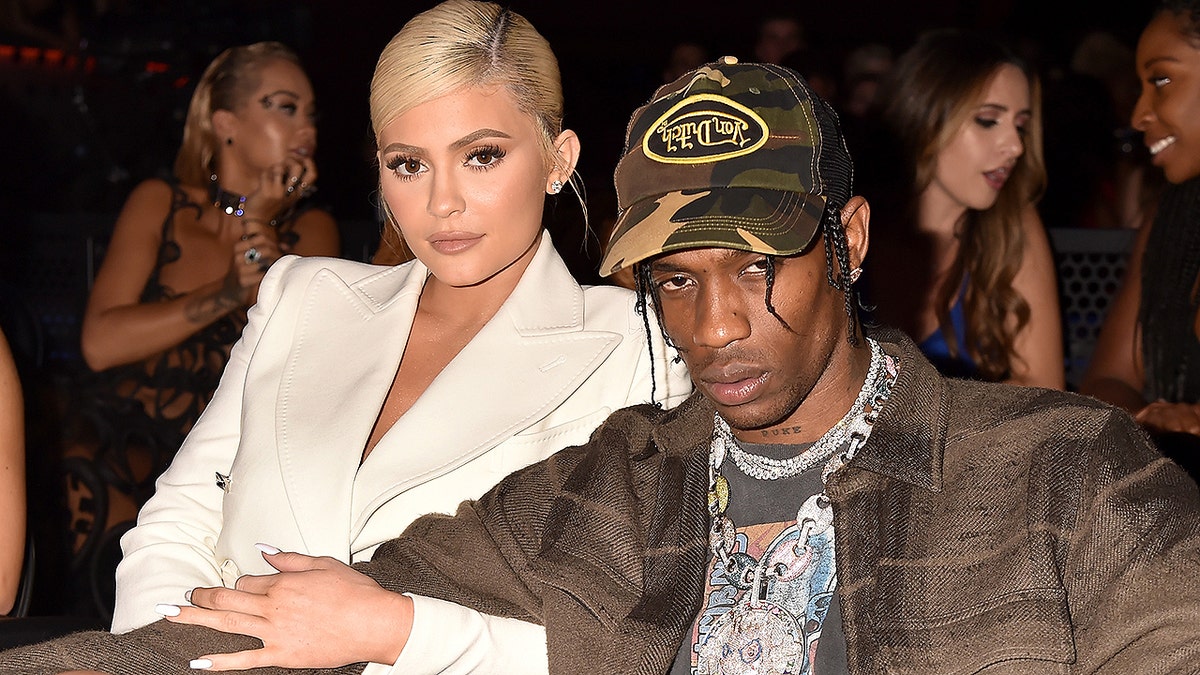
(226, 84)
(469, 43)
(466, 43)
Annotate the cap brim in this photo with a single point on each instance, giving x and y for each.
(774, 222)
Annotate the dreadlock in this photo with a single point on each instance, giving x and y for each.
(1169, 304)
(836, 248)
(1186, 10)
(641, 279)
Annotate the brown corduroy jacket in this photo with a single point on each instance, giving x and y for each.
(983, 528)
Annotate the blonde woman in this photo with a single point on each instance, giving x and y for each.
(185, 261)
(362, 397)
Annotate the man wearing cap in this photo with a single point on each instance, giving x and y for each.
(826, 502)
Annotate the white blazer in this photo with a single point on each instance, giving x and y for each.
(285, 430)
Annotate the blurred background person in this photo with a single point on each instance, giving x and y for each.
(1094, 158)
(778, 37)
(953, 187)
(184, 263)
(684, 57)
(12, 478)
(1147, 358)
(55, 24)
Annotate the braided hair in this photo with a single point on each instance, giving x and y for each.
(1169, 304)
(1186, 11)
(837, 248)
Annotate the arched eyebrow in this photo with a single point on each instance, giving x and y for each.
(1155, 60)
(1003, 108)
(473, 137)
(476, 136)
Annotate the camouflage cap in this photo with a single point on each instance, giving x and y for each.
(731, 155)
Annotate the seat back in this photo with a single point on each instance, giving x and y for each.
(1090, 264)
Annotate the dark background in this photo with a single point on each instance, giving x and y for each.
(77, 134)
(120, 123)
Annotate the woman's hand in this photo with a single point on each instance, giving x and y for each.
(252, 256)
(280, 186)
(316, 613)
(1161, 416)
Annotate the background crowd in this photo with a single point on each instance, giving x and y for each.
(96, 95)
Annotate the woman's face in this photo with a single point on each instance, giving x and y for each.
(978, 160)
(1168, 111)
(277, 121)
(465, 176)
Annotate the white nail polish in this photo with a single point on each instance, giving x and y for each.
(167, 610)
(187, 595)
(267, 548)
(200, 664)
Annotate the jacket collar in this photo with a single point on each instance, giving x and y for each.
(906, 444)
(520, 366)
(908, 441)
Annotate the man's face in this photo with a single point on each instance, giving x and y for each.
(756, 370)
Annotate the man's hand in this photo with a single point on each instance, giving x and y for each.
(316, 613)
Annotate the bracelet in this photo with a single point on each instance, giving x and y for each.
(269, 223)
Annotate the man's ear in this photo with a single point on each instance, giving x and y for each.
(566, 156)
(856, 219)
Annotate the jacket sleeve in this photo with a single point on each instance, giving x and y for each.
(449, 639)
(488, 617)
(172, 548)
(1133, 577)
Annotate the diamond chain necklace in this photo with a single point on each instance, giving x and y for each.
(856, 423)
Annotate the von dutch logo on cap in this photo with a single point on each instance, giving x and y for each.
(704, 128)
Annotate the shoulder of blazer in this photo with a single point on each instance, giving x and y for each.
(350, 271)
(374, 284)
(612, 308)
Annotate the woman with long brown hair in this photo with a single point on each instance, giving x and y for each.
(965, 266)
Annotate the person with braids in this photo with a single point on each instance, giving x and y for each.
(1147, 357)
(967, 270)
(185, 260)
(825, 502)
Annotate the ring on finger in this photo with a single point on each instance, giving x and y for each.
(252, 255)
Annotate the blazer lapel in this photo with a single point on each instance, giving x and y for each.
(521, 366)
(347, 344)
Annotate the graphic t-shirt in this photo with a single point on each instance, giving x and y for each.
(776, 610)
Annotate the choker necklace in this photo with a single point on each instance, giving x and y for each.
(850, 432)
(231, 203)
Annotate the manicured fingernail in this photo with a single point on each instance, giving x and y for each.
(267, 548)
(187, 595)
(167, 610)
(200, 664)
